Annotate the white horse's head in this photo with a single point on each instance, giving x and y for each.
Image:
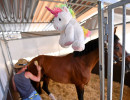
(62, 17)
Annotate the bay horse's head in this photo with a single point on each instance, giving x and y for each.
(118, 52)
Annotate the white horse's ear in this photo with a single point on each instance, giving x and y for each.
(65, 9)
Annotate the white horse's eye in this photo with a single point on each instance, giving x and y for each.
(59, 19)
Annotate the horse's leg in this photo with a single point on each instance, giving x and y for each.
(80, 92)
(45, 88)
(37, 86)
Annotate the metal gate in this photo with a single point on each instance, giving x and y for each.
(101, 31)
(110, 47)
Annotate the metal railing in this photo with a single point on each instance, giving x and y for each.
(110, 47)
(101, 48)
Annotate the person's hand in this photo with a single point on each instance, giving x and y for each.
(38, 67)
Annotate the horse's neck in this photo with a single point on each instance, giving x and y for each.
(91, 59)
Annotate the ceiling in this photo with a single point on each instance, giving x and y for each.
(30, 18)
(31, 15)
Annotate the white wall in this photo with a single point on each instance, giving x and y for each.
(3, 74)
(119, 33)
(35, 46)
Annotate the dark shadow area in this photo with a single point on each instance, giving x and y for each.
(12, 94)
(116, 73)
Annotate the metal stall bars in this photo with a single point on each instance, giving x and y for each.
(101, 47)
(7, 90)
(110, 47)
(1, 90)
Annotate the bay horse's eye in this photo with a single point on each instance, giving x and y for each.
(59, 19)
(117, 48)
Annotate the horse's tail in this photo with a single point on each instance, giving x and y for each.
(86, 32)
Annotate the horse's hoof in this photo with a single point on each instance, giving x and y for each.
(52, 96)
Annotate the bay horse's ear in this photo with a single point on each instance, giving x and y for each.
(115, 30)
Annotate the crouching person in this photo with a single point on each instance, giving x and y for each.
(21, 81)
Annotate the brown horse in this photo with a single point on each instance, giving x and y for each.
(74, 68)
(118, 53)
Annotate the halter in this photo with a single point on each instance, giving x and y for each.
(117, 58)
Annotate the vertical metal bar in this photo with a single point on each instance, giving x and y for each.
(123, 52)
(9, 54)
(7, 47)
(2, 87)
(110, 53)
(4, 59)
(101, 48)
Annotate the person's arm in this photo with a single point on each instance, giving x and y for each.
(33, 77)
(14, 87)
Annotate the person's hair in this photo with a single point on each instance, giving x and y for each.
(17, 69)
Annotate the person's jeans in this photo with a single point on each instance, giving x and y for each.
(34, 96)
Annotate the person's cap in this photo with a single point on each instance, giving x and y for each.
(21, 63)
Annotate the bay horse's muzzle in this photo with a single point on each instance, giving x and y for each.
(127, 68)
(127, 63)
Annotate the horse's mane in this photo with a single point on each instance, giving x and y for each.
(116, 39)
(91, 45)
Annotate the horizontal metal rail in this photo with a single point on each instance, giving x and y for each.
(24, 22)
(120, 3)
(70, 3)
